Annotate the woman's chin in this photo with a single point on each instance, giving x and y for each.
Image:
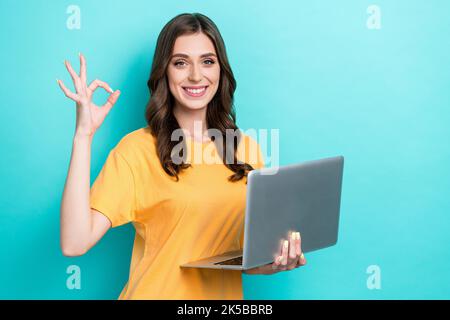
(197, 105)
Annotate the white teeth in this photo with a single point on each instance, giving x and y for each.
(196, 91)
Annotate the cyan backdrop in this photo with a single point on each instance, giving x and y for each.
(336, 77)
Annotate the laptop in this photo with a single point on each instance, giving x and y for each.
(302, 197)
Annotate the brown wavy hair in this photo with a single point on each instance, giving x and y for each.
(220, 113)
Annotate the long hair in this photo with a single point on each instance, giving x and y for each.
(220, 113)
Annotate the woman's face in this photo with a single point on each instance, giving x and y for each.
(193, 71)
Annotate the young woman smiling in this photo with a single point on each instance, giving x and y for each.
(181, 211)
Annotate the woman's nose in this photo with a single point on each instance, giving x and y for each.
(195, 74)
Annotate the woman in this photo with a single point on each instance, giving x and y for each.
(181, 210)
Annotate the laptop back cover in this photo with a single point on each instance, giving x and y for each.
(302, 197)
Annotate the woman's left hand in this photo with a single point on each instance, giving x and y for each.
(291, 257)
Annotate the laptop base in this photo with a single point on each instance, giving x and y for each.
(212, 262)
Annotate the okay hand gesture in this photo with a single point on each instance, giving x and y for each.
(89, 115)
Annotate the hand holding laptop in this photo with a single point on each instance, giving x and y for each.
(304, 197)
(291, 257)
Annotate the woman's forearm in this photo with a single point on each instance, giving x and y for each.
(75, 206)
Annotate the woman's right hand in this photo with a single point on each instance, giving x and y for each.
(89, 115)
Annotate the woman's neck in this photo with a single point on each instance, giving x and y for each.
(192, 122)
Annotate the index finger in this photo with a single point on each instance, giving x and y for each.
(276, 262)
(277, 257)
(98, 83)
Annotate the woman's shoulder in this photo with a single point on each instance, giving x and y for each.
(249, 150)
(248, 141)
(136, 143)
(141, 144)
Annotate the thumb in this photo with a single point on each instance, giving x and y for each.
(112, 99)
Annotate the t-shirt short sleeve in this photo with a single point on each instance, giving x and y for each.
(113, 192)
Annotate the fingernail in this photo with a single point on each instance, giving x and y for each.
(298, 235)
(57, 81)
(302, 256)
(286, 243)
(111, 90)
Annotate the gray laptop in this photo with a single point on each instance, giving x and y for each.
(302, 197)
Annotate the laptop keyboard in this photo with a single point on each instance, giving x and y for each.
(234, 261)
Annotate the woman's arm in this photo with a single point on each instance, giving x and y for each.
(81, 226)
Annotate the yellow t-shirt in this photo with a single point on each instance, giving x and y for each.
(199, 216)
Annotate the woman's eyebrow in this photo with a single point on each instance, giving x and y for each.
(182, 55)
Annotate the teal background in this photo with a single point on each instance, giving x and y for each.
(309, 68)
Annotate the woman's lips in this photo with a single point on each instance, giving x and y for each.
(195, 91)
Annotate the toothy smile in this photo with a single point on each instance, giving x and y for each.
(195, 91)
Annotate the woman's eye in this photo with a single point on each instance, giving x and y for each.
(181, 62)
(177, 63)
